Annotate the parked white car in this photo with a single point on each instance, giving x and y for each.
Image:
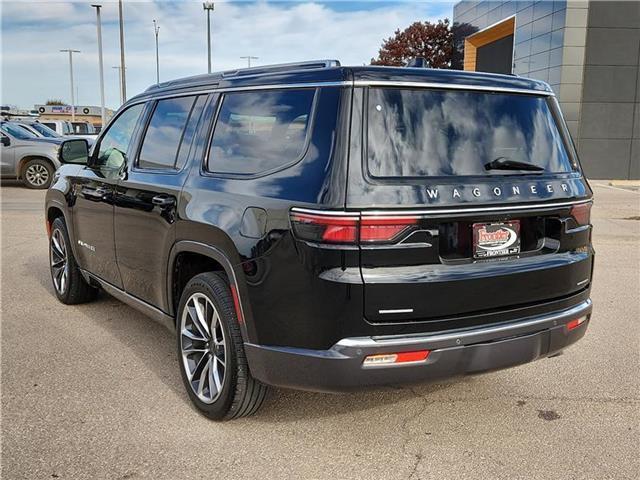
(84, 130)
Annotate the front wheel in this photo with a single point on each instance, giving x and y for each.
(68, 282)
(211, 353)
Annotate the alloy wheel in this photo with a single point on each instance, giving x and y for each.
(59, 263)
(203, 347)
(37, 175)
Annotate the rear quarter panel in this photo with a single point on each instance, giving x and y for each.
(283, 296)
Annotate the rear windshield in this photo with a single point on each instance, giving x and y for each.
(435, 133)
(80, 127)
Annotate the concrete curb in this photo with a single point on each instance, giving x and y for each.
(625, 183)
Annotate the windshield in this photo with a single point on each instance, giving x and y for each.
(17, 131)
(435, 133)
(26, 129)
(44, 130)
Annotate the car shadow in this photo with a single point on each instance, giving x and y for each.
(155, 346)
(10, 182)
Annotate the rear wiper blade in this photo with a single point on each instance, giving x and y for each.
(503, 163)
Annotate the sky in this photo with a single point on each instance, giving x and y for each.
(32, 33)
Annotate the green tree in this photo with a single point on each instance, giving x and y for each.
(431, 41)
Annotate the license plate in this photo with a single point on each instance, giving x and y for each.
(496, 239)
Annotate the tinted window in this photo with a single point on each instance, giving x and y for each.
(17, 131)
(26, 129)
(114, 144)
(190, 131)
(44, 130)
(80, 127)
(164, 134)
(52, 126)
(416, 133)
(259, 131)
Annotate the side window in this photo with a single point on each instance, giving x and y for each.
(168, 137)
(52, 126)
(259, 131)
(190, 131)
(112, 152)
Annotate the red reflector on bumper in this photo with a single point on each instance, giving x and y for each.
(575, 323)
(412, 356)
(394, 358)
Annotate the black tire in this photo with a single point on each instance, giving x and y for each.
(37, 174)
(75, 288)
(240, 394)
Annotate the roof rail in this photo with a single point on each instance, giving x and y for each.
(280, 67)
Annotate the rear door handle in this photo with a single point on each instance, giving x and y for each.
(163, 201)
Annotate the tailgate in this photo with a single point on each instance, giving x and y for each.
(432, 271)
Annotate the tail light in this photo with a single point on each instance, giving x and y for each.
(581, 213)
(325, 228)
(349, 228)
(384, 229)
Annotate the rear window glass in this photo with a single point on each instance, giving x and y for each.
(260, 131)
(164, 134)
(420, 133)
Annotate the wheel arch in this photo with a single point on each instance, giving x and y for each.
(55, 208)
(20, 164)
(220, 261)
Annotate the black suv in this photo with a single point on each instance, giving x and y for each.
(325, 228)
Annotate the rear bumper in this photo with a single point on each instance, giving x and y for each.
(340, 368)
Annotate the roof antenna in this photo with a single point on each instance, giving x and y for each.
(418, 62)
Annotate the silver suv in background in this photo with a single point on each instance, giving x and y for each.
(27, 157)
(38, 129)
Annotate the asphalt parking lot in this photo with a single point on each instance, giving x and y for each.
(94, 391)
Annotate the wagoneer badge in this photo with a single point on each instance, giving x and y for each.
(500, 191)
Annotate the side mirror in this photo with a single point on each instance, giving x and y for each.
(6, 141)
(74, 151)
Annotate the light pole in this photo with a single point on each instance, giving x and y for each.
(98, 21)
(123, 81)
(73, 100)
(156, 29)
(117, 67)
(249, 58)
(208, 6)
